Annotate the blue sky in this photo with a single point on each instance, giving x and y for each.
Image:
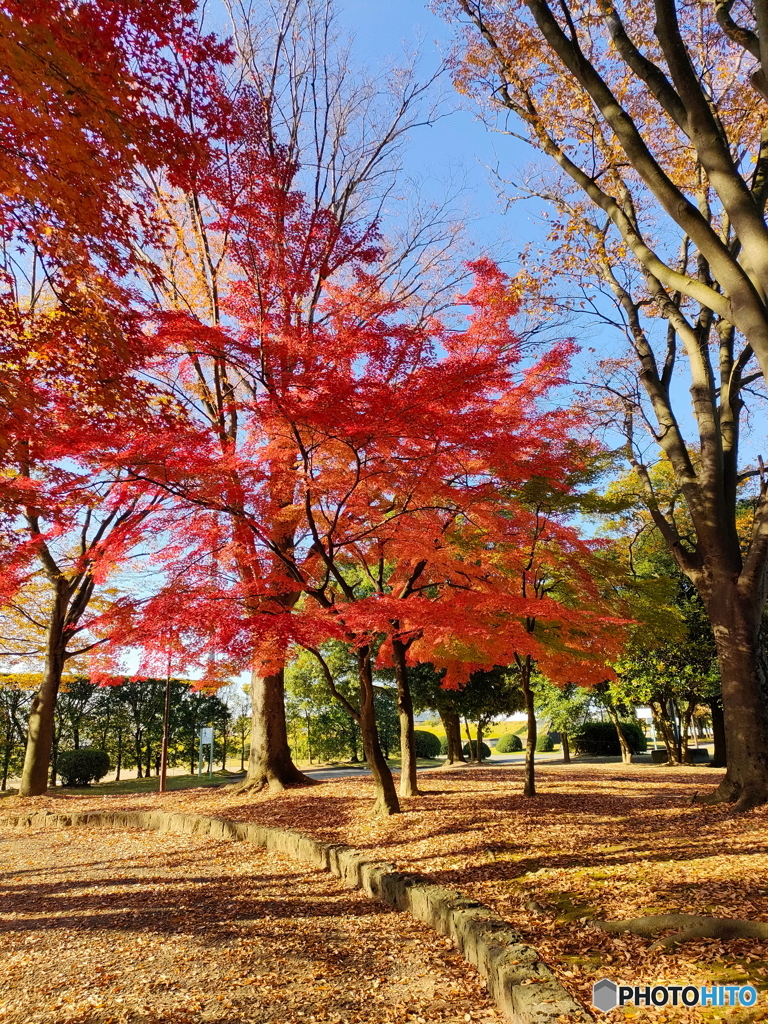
(386, 29)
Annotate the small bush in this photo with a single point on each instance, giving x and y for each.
(599, 739)
(485, 750)
(443, 744)
(82, 767)
(427, 744)
(508, 743)
(545, 743)
(636, 738)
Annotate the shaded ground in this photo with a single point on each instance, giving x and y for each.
(102, 925)
(600, 840)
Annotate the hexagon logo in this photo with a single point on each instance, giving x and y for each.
(605, 995)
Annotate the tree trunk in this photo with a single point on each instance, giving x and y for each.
(719, 759)
(529, 786)
(354, 759)
(9, 731)
(470, 755)
(408, 783)
(138, 747)
(452, 726)
(269, 762)
(686, 732)
(664, 729)
(626, 750)
(479, 742)
(54, 753)
(225, 741)
(566, 748)
(37, 758)
(119, 754)
(736, 624)
(386, 796)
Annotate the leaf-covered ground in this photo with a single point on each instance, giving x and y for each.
(611, 841)
(119, 926)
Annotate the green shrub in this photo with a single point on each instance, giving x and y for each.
(427, 744)
(509, 742)
(485, 750)
(443, 744)
(635, 737)
(82, 767)
(545, 743)
(599, 739)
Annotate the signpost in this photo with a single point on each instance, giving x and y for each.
(206, 739)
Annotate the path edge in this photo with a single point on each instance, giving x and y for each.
(524, 988)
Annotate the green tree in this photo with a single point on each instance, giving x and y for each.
(564, 707)
(15, 698)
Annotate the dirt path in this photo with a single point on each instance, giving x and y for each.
(114, 926)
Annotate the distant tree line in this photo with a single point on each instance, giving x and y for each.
(125, 720)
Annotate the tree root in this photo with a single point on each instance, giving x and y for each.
(382, 809)
(250, 786)
(742, 798)
(258, 783)
(685, 928)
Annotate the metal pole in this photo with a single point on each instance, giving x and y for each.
(200, 758)
(210, 756)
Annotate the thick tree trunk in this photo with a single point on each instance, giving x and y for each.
(452, 725)
(408, 783)
(529, 786)
(626, 752)
(736, 625)
(270, 763)
(386, 796)
(719, 757)
(37, 758)
(566, 748)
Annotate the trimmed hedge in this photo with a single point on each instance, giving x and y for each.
(545, 743)
(427, 744)
(82, 767)
(599, 739)
(485, 750)
(508, 743)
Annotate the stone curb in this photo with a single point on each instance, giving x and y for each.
(523, 987)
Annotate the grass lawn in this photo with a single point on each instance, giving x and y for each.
(218, 779)
(173, 782)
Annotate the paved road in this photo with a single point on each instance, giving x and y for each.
(339, 773)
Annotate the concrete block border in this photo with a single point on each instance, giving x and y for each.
(523, 987)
